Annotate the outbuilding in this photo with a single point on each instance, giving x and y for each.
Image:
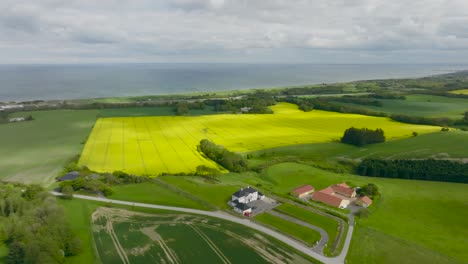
(303, 191)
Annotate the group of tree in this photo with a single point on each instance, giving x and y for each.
(363, 136)
(229, 160)
(370, 190)
(183, 108)
(428, 169)
(34, 227)
(257, 103)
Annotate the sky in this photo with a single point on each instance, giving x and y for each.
(250, 31)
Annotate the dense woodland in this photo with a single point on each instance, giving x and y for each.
(34, 227)
(430, 169)
(229, 160)
(363, 136)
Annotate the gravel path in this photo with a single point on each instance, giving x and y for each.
(218, 214)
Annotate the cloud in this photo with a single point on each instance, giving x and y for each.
(232, 30)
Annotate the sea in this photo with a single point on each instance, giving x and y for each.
(79, 81)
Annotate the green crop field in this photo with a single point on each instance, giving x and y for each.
(461, 91)
(133, 237)
(35, 151)
(154, 145)
(302, 233)
(423, 105)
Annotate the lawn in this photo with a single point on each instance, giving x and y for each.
(154, 194)
(453, 144)
(216, 194)
(423, 105)
(329, 225)
(425, 215)
(302, 233)
(35, 151)
(154, 145)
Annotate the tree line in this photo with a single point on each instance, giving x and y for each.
(428, 169)
(34, 227)
(229, 160)
(362, 136)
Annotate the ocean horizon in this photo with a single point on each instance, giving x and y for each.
(22, 82)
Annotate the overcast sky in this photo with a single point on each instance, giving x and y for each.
(315, 31)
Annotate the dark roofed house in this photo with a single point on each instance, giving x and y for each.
(240, 200)
(303, 191)
(69, 176)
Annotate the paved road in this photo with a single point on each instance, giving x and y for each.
(298, 246)
(323, 235)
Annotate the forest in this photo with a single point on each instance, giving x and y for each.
(34, 227)
(428, 169)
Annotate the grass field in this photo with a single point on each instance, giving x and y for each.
(453, 144)
(461, 91)
(423, 105)
(150, 111)
(302, 233)
(35, 151)
(328, 224)
(153, 145)
(3, 252)
(426, 216)
(154, 194)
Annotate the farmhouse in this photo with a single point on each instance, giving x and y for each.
(338, 195)
(241, 201)
(303, 191)
(17, 119)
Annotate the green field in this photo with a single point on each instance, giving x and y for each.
(427, 216)
(328, 224)
(154, 194)
(35, 151)
(423, 105)
(3, 252)
(150, 111)
(302, 233)
(154, 145)
(461, 91)
(453, 144)
(133, 237)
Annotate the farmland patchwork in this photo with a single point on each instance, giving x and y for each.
(168, 144)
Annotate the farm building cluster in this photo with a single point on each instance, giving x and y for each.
(338, 195)
(248, 201)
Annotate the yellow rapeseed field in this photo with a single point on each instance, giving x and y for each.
(462, 91)
(168, 144)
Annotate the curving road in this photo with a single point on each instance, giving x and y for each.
(218, 214)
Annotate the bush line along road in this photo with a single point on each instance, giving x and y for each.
(296, 245)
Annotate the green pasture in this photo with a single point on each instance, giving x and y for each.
(154, 194)
(302, 233)
(452, 144)
(423, 105)
(329, 225)
(35, 151)
(425, 214)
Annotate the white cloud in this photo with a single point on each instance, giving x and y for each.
(204, 30)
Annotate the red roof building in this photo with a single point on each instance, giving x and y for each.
(330, 199)
(344, 189)
(365, 201)
(303, 191)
